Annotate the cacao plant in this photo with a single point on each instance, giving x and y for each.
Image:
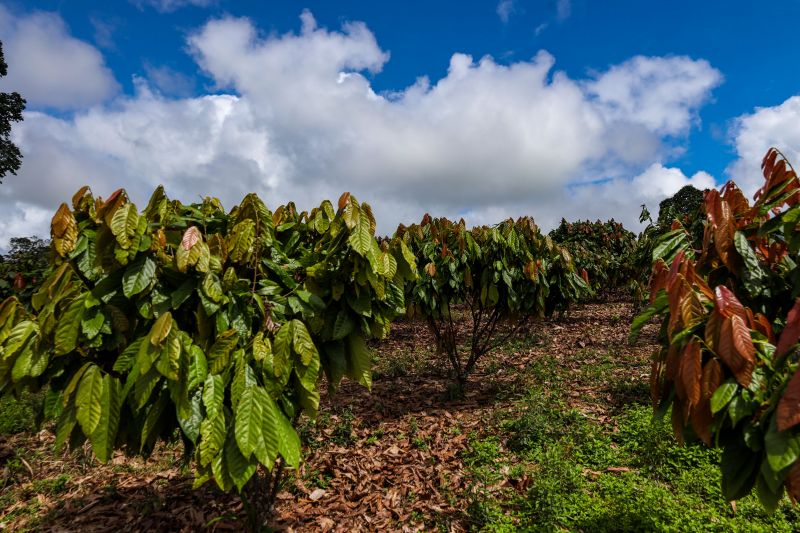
(502, 275)
(602, 252)
(730, 323)
(210, 325)
(23, 268)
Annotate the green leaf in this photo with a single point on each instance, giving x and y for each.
(220, 352)
(268, 448)
(656, 308)
(169, 362)
(282, 350)
(212, 288)
(248, 421)
(18, 337)
(239, 467)
(198, 368)
(213, 395)
(212, 437)
(138, 276)
(124, 224)
(104, 436)
(288, 440)
(783, 447)
(360, 360)
(723, 395)
(88, 400)
(161, 329)
(91, 327)
(241, 240)
(69, 324)
(191, 420)
(361, 236)
(126, 359)
(303, 344)
(739, 470)
(343, 326)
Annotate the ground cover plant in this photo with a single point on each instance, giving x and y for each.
(503, 276)
(727, 366)
(185, 321)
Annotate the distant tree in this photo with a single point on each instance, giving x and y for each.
(11, 107)
(23, 268)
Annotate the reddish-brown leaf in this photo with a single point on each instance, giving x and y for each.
(763, 326)
(736, 349)
(768, 163)
(430, 269)
(791, 332)
(712, 378)
(676, 295)
(343, 200)
(711, 335)
(723, 235)
(19, 282)
(78, 196)
(691, 371)
(788, 411)
(727, 302)
(690, 307)
(64, 230)
(737, 201)
(106, 210)
(190, 238)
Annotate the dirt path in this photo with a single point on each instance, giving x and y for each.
(389, 461)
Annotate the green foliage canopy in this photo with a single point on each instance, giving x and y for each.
(214, 324)
(729, 364)
(503, 273)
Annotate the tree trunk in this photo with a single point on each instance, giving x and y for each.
(259, 495)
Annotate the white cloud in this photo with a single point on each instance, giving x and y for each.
(660, 93)
(505, 8)
(486, 142)
(49, 67)
(753, 134)
(168, 6)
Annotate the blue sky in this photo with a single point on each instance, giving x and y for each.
(584, 109)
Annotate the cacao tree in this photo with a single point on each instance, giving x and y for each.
(502, 275)
(214, 327)
(728, 366)
(603, 250)
(23, 268)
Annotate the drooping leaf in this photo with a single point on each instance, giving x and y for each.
(138, 276)
(89, 399)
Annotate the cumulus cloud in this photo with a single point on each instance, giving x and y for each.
(753, 134)
(660, 93)
(486, 141)
(49, 67)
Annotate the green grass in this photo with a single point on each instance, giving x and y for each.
(628, 474)
(19, 414)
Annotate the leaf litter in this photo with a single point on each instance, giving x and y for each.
(389, 460)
